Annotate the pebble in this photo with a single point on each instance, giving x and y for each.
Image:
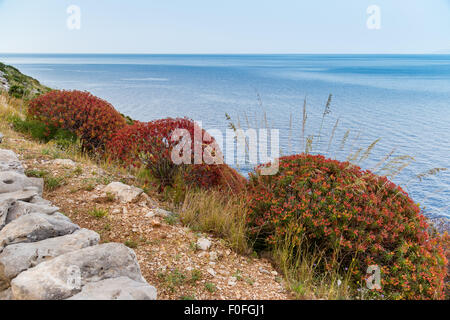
(262, 270)
(213, 256)
(211, 271)
(204, 244)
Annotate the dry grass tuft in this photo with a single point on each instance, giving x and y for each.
(219, 214)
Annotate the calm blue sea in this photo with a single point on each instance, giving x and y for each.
(402, 99)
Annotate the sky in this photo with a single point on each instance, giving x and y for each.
(225, 26)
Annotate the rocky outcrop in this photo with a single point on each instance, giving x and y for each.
(45, 256)
(122, 288)
(123, 192)
(66, 275)
(4, 85)
(20, 257)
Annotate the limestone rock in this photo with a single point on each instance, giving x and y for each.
(123, 192)
(160, 212)
(23, 195)
(122, 288)
(38, 200)
(20, 208)
(35, 227)
(65, 275)
(4, 209)
(17, 258)
(11, 181)
(204, 244)
(10, 162)
(64, 163)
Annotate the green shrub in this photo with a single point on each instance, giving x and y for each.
(41, 132)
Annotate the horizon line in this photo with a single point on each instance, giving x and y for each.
(236, 53)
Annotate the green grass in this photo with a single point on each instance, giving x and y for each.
(210, 287)
(52, 183)
(131, 244)
(110, 197)
(36, 173)
(196, 275)
(173, 279)
(98, 213)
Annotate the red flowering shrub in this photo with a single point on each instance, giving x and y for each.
(92, 119)
(151, 144)
(355, 217)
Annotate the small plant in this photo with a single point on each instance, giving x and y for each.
(131, 244)
(238, 275)
(53, 183)
(171, 220)
(193, 245)
(88, 185)
(98, 213)
(110, 197)
(36, 173)
(173, 279)
(196, 275)
(78, 171)
(210, 287)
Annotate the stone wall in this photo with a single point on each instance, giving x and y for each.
(44, 256)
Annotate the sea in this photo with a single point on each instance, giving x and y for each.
(401, 102)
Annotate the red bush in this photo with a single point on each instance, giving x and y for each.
(360, 218)
(150, 144)
(92, 119)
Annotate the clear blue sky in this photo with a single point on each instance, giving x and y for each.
(225, 26)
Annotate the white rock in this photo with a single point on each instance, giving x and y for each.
(17, 258)
(262, 270)
(150, 214)
(5, 205)
(232, 281)
(163, 213)
(11, 181)
(9, 161)
(65, 275)
(35, 227)
(20, 208)
(204, 244)
(213, 256)
(211, 271)
(64, 163)
(123, 192)
(122, 288)
(24, 195)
